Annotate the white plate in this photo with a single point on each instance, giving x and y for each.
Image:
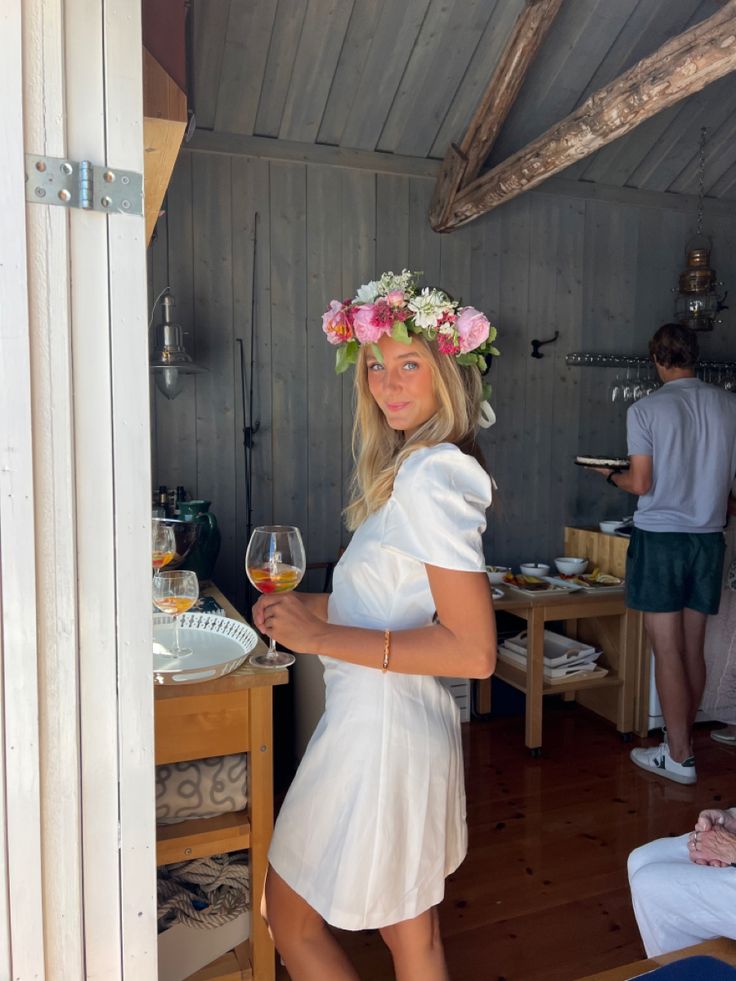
(219, 645)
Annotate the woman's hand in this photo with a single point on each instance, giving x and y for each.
(289, 621)
(714, 847)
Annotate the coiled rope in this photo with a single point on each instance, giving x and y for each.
(206, 892)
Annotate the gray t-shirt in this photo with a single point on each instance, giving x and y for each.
(689, 429)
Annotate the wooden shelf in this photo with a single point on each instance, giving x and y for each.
(200, 838)
(516, 677)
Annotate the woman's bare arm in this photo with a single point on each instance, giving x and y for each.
(461, 645)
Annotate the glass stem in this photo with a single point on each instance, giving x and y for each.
(271, 648)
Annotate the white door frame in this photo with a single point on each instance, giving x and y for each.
(77, 832)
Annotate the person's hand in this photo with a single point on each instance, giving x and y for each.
(714, 817)
(285, 618)
(716, 847)
(604, 471)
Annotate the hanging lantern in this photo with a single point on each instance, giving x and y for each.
(169, 360)
(698, 303)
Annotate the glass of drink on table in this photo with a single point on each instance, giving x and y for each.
(174, 592)
(163, 544)
(275, 563)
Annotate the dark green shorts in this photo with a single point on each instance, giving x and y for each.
(667, 571)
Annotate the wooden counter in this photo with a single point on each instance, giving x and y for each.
(227, 715)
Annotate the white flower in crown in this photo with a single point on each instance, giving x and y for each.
(404, 281)
(429, 306)
(368, 293)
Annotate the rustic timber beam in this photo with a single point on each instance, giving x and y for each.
(681, 67)
(463, 163)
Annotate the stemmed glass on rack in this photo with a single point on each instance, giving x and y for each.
(163, 544)
(275, 563)
(174, 592)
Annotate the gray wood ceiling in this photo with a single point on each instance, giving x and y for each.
(404, 76)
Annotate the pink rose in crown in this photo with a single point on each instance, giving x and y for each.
(373, 320)
(337, 322)
(472, 327)
(395, 298)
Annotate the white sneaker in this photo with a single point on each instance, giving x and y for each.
(657, 760)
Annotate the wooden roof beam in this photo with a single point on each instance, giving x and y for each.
(463, 163)
(681, 67)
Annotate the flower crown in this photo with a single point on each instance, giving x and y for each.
(392, 305)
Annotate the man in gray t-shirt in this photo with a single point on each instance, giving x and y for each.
(682, 461)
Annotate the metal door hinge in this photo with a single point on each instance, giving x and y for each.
(81, 184)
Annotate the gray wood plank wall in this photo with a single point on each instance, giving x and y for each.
(599, 272)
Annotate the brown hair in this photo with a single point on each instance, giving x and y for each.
(379, 450)
(674, 346)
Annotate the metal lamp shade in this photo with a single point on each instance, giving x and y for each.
(170, 361)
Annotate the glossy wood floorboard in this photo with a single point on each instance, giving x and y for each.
(543, 894)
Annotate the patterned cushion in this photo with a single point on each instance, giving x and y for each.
(201, 788)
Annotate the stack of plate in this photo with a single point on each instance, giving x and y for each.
(563, 657)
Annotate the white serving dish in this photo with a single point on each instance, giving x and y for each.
(539, 569)
(219, 645)
(571, 566)
(609, 527)
(558, 649)
(496, 573)
(553, 676)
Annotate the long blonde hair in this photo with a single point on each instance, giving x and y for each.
(379, 450)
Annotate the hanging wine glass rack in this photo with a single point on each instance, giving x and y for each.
(589, 359)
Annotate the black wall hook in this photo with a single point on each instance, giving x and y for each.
(536, 353)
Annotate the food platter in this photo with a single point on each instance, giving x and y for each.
(593, 583)
(533, 585)
(614, 462)
(219, 645)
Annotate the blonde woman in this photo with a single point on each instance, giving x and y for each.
(375, 818)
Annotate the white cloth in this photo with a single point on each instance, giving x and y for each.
(719, 697)
(676, 902)
(375, 818)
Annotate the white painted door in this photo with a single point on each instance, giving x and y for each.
(77, 848)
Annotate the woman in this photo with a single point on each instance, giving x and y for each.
(375, 818)
(684, 889)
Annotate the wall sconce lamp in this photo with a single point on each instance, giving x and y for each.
(169, 359)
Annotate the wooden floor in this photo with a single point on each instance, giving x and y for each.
(542, 894)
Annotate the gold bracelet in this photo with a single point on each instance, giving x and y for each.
(386, 649)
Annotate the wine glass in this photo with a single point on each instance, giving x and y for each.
(163, 544)
(174, 592)
(275, 563)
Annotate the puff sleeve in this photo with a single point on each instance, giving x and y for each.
(436, 513)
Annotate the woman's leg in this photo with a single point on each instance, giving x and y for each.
(416, 948)
(307, 948)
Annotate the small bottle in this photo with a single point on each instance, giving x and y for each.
(163, 499)
(181, 496)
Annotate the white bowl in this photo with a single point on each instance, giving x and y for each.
(571, 566)
(534, 569)
(609, 527)
(496, 573)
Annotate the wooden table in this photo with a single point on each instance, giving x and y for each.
(599, 618)
(232, 714)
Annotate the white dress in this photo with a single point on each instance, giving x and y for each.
(375, 817)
